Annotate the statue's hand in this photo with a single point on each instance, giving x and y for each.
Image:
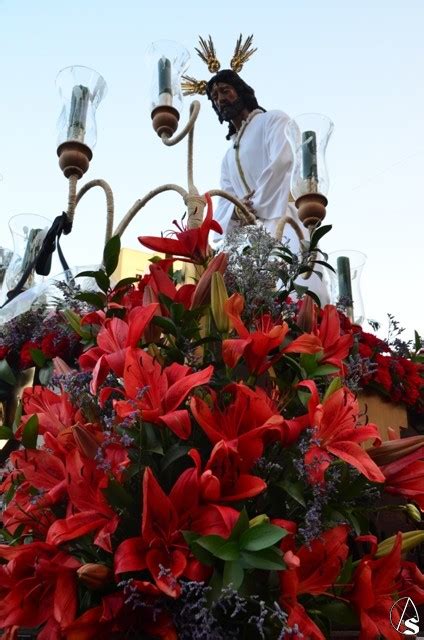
(247, 201)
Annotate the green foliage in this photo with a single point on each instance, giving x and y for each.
(248, 547)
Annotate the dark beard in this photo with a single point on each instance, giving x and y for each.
(231, 110)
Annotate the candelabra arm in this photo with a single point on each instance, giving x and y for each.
(194, 112)
(290, 221)
(245, 216)
(139, 204)
(72, 200)
(74, 197)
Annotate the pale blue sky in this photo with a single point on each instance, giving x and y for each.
(361, 63)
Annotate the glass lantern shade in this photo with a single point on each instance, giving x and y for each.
(167, 61)
(28, 232)
(308, 135)
(345, 283)
(81, 90)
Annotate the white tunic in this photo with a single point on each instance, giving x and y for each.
(266, 161)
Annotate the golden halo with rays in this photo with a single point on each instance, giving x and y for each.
(243, 51)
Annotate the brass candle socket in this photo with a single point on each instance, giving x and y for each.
(74, 158)
(311, 209)
(165, 120)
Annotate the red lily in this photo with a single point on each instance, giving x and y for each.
(45, 472)
(88, 510)
(158, 393)
(116, 616)
(336, 434)
(312, 570)
(375, 582)
(23, 510)
(191, 245)
(336, 346)
(405, 477)
(113, 340)
(255, 347)
(161, 547)
(54, 411)
(223, 479)
(39, 586)
(246, 424)
(402, 462)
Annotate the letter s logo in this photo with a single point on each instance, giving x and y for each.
(411, 629)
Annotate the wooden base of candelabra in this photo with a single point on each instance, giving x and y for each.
(311, 209)
(74, 158)
(165, 120)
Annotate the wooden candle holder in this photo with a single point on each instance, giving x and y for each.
(74, 158)
(311, 209)
(165, 120)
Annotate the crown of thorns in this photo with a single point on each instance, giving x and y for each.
(242, 52)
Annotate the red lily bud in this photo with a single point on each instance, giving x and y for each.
(85, 441)
(203, 288)
(393, 450)
(306, 318)
(152, 333)
(95, 576)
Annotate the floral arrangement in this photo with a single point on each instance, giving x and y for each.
(36, 337)
(204, 472)
(397, 367)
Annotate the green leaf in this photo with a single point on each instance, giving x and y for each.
(211, 543)
(334, 385)
(294, 489)
(324, 264)
(166, 324)
(325, 370)
(313, 295)
(177, 312)
(201, 554)
(241, 525)
(294, 365)
(269, 559)
(318, 234)
(6, 373)
(151, 440)
(5, 433)
(100, 277)
(74, 321)
(30, 433)
(309, 362)
(18, 416)
(111, 254)
(219, 547)
(38, 357)
(97, 300)
(117, 496)
(46, 373)
(233, 574)
(346, 574)
(125, 282)
(174, 453)
(228, 551)
(339, 612)
(261, 537)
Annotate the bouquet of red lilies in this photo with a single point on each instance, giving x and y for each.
(205, 473)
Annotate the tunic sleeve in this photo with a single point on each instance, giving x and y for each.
(273, 185)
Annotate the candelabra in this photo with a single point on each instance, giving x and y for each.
(82, 89)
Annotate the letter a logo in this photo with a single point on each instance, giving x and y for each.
(404, 617)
